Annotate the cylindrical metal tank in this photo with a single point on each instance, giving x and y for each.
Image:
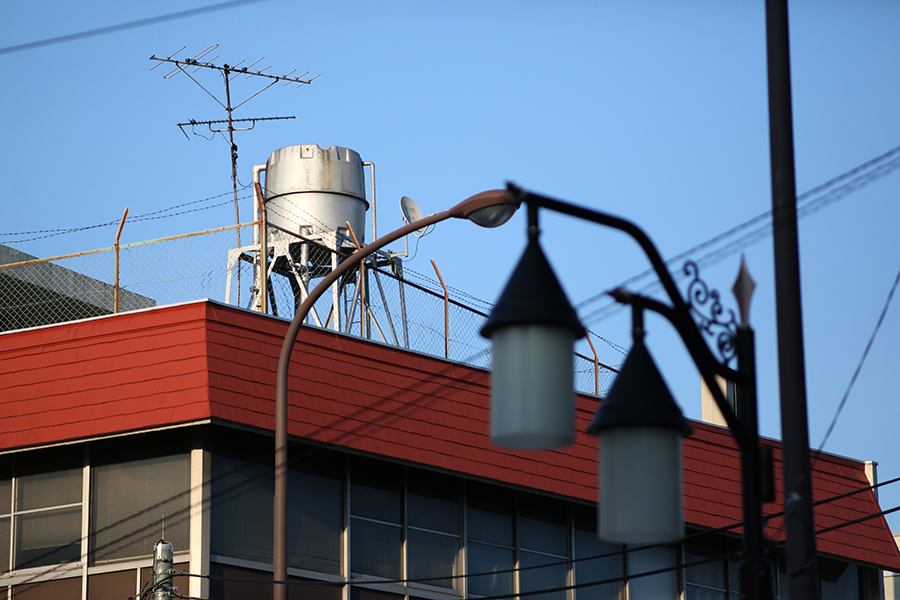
(318, 188)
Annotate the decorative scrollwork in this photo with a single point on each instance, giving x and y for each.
(721, 324)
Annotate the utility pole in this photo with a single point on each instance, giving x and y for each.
(228, 73)
(802, 567)
(163, 562)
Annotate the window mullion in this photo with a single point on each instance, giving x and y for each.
(345, 532)
(463, 557)
(516, 554)
(570, 532)
(12, 522)
(404, 538)
(85, 523)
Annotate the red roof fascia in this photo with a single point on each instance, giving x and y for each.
(380, 399)
(184, 363)
(103, 376)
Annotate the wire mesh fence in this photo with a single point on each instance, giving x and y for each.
(383, 301)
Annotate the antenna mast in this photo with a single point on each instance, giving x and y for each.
(229, 72)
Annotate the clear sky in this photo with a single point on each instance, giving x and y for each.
(654, 111)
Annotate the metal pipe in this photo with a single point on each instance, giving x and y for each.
(596, 366)
(802, 568)
(116, 246)
(446, 311)
(261, 266)
(360, 286)
(257, 169)
(371, 165)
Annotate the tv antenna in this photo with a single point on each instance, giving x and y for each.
(228, 72)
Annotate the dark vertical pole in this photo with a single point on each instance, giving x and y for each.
(279, 548)
(755, 571)
(237, 214)
(801, 544)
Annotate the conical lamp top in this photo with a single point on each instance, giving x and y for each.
(533, 296)
(639, 397)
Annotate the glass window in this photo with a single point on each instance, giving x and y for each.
(314, 522)
(840, 580)
(433, 529)
(490, 570)
(137, 503)
(490, 551)
(376, 526)
(706, 569)
(661, 585)
(543, 540)
(595, 560)
(375, 549)
(433, 557)
(241, 514)
(490, 515)
(50, 532)
(543, 525)
(549, 577)
(433, 502)
(5, 522)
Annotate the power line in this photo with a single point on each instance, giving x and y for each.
(311, 454)
(617, 579)
(859, 365)
(184, 14)
(40, 234)
(725, 244)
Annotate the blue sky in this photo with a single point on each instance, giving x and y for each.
(653, 111)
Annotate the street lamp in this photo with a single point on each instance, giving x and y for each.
(639, 425)
(487, 209)
(640, 429)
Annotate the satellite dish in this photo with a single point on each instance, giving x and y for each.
(411, 213)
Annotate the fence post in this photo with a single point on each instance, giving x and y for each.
(446, 311)
(116, 247)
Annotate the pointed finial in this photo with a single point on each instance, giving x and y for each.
(743, 290)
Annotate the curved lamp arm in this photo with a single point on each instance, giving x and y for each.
(488, 209)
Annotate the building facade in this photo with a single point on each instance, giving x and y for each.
(122, 430)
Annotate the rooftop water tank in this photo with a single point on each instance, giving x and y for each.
(317, 189)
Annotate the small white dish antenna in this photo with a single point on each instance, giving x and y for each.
(412, 213)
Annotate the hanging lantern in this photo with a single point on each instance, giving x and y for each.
(641, 430)
(533, 329)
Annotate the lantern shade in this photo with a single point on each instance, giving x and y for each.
(532, 393)
(533, 328)
(640, 428)
(641, 498)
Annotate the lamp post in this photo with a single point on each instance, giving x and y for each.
(487, 209)
(639, 413)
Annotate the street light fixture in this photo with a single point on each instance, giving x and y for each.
(640, 429)
(639, 424)
(487, 209)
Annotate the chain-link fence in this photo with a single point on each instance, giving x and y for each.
(402, 307)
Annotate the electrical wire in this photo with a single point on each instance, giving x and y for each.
(618, 579)
(294, 461)
(184, 14)
(808, 203)
(151, 216)
(859, 366)
(318, 451)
